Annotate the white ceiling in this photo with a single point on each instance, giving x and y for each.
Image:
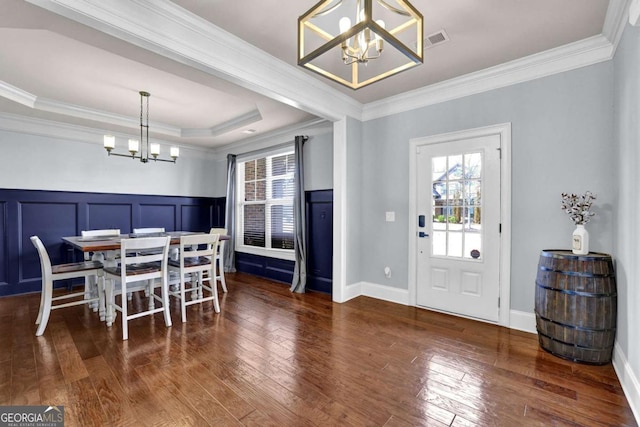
(54, 67)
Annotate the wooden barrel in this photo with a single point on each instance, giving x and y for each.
(576, 305)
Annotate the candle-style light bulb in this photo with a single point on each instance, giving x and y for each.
(154, 149)
(109, 143)
(344, 24)
(134, 146)
(379, 41)
(174, 152)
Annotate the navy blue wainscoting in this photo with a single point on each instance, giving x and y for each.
(54, 214)
(319, 213)
(276, 269)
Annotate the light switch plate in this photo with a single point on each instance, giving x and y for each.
(390, 216)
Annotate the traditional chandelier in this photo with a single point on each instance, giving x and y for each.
(344, 40)
(148, 149)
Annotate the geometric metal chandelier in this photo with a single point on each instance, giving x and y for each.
(359, 42)
(148, 149)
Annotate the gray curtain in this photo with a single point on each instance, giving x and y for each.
(299, 282)
(230, 215)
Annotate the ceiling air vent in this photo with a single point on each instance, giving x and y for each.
(435, 39)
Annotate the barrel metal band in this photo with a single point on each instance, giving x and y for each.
(579, 293)
(574, 327)
(576, 273)
(594, 256)
(576, 345)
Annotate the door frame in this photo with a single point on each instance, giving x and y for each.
(504, 132)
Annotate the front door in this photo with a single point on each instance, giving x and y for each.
(458, 244)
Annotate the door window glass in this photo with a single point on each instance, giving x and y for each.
(457, 206)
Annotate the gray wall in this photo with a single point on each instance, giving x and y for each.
(318, 162)
(74, 160)
(562, 141)
(77, 162)
(355, 250)
(627, 202)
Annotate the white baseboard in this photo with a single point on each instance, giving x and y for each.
(628, 380)
(386, 293)
(352, 291)
(522, 321)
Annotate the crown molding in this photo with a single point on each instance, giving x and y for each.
(233, 124)
(81, 134)
(616, 20)
(575, 55)
(53, 106)
(278, 136)
(634, 13)
(16, 94)
(174, 32)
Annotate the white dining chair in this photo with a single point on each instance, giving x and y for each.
(219, 258)
(148, 230)
(192, 264)
(51, 273)
(105, 258)
(140, 232)
(142, 259)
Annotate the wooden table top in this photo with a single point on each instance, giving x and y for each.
(112, 243)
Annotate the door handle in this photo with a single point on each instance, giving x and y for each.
(422, 234)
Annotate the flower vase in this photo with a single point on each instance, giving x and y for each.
(580, 240)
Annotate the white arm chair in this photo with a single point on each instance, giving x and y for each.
(142, 259)
(61, 272)
(193, 264)
(219, 267)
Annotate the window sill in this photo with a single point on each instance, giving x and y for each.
(270, 253)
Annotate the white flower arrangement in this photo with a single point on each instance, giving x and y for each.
(578, 207)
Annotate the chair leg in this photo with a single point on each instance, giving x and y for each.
(183, 305)
(214, 289)
(149, 293)
(124, 304)
(220, 275)
(165, 302)
(101, 298)
(109, 310)
(45, 308)
(43, 296)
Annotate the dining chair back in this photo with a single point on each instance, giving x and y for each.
(219, 259)
(52, 273)
(107, 232)
(106, 258)
(143, 260)
(148, 230)
(194, 264)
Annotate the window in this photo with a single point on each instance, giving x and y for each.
(265, 205)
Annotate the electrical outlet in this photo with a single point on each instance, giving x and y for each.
(390, 216)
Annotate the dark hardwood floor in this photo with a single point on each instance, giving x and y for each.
(273, 358)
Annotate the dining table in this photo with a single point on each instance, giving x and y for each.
(105, 248)
(112, 243)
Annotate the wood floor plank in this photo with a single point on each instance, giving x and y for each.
(275, 358)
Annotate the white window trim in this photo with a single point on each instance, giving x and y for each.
(285, 254)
